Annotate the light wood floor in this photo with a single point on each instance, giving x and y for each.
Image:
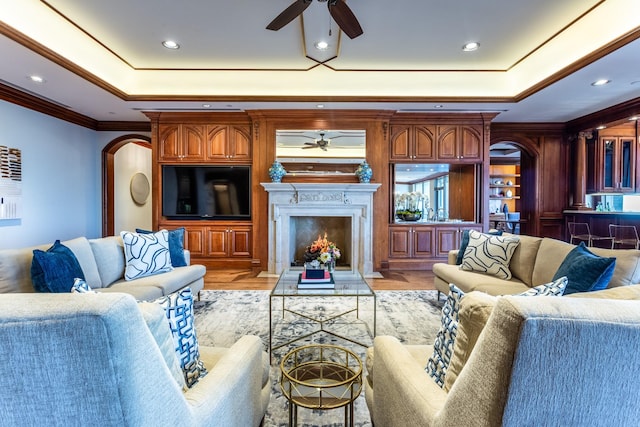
(237, 279)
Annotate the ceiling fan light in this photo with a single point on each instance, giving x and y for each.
(471, 46)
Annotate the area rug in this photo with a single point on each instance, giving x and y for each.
(222, 317)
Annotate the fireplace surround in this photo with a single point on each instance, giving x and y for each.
(344, 200)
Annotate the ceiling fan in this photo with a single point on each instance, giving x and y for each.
(340, 12)
(319, 143)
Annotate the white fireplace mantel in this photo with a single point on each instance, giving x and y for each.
(288, 200)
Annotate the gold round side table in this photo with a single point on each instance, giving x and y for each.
(321, 377)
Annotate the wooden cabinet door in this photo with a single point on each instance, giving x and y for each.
(470, 143)
(400, 242)
(423, 143)
(218, 242)
(447, 143)
(627, 165)
(400, 143)
(217, 143)
(239, 144)
(169, 142)
(447, 238)
(422, 242)
(192, 142)
(194, 240)
(240, 242)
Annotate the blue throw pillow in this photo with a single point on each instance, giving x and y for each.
(55, 269)
(176, 245)
(464, 242)
(585, 270)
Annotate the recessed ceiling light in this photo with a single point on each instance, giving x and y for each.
(321, 45)
(438, 106)
(320, 106)
(633, 118)
(471, 46)
(170, 44)
(600, 82)
(36, 79)
(601, 127)
(206, 105)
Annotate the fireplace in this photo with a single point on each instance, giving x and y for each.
(298, 212)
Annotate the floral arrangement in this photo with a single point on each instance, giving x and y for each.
(322, 251)
(411, 203)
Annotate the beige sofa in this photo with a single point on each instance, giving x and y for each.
(524, 370)
(103, 263)
(534, 262)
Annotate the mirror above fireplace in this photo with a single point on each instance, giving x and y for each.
(321, 146)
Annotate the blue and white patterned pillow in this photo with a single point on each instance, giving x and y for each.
(146, 254)
(489, 254)
(443, 346)
(81, 287)
(555, 288)
(179, 310)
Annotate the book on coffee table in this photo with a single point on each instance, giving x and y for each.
(325, 282)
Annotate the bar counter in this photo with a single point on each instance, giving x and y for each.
(599, 221)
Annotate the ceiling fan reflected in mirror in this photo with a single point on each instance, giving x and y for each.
(319, 143)
(338, 9)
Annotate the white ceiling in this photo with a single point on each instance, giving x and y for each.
(536, 62)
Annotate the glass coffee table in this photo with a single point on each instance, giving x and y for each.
(350, 288)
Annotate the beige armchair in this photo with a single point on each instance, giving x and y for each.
(91, 360)
(539, 361)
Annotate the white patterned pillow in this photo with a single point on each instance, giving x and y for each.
(146, 254)
(443, 346)
(179, 310)
(555, 288)
(81, 287)
(489, 254)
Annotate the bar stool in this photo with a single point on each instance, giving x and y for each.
(625, 235)
(581, 231)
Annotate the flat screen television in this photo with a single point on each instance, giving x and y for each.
(206, 192)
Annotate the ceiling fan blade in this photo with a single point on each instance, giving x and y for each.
(310, 143)
(344, 17)
(289, 14)
(314, 146)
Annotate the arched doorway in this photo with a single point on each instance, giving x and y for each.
(108, 177)
(524, 153)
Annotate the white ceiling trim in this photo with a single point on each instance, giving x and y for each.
(35, 20)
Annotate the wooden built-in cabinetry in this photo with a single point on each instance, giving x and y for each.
(612, 160)
(421, 143)
(200, 139)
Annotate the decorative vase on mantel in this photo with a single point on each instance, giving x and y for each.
(364, 172)
(277, 171)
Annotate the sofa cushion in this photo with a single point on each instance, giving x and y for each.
(489, 254)
(146, 254)
(524, 257)
(176, 245)
(15, 269)
(167, 283)
(550, 255)
(178, 308)
(55, 269)
(438, 363)
(82, 250)
(585, 270)
(469, 281)
(627, 271)
(109, 255)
